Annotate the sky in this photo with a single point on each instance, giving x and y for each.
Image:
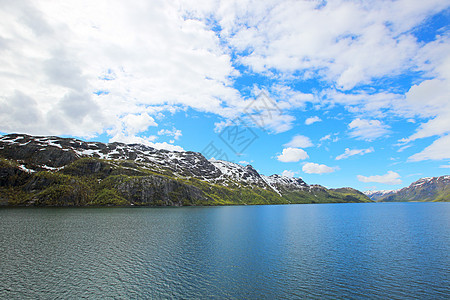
(339, 93)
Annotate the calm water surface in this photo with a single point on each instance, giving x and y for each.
(383, 250)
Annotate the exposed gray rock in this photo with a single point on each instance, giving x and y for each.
(159, 190)
(93, 173)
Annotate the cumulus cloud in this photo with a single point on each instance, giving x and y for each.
(288, 173)
(312, 120)
(299, 141)
(265, 112)
(277, 123)
(289, 98)
(350, 152)
(325, 138)
(86, 66)
(133, 124)
(292, 155)
(176, 133)
(352, 41)
(438, 150)
(313, 168)
(434, 95)
(145, 140)
(375, 42)
(430, 99)
(367, 129)
(81, 67)
(126, 128)
(330, 137)
(389, 178)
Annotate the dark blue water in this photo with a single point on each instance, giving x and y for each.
(384, 250)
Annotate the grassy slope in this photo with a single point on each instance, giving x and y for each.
(91, 181)
(436, 194)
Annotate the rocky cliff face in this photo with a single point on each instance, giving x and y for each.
(63, 171)
(48, 153)
(424, 189)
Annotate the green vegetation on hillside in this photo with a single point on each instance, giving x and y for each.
(97, 182)
(435, 189)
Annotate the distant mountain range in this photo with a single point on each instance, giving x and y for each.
(377, 195)
(54, 171)
(424, 189)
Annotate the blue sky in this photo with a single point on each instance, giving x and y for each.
(340, 93)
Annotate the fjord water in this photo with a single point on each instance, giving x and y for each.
(382, 250)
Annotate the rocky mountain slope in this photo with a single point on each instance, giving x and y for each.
(69, 172)
(377, 195)
(424, 189)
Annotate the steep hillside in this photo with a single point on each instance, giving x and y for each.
(377, 195)
(69, 172)
(423, 190)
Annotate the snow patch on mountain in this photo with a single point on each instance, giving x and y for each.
(238, 173)
(37, 153)
(381, 192)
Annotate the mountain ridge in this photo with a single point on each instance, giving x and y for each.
(376, 195)
(49, 170)
(427, 189)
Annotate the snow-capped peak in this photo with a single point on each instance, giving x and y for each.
(380, 192)
(245, 174)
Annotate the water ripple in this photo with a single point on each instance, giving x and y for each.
(261, 252)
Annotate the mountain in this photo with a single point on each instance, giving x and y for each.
(377, 195)
(423, 190)
(54, 171)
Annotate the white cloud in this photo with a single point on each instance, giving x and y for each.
(325, 138)
(434, 96)
(373, 41)
(289, 98)
(389, 178)
(367, 129)
(127, 128)
(345, 42)
(292, 155)
(430, 99)
(350, 152)
(219, 126)
(264, 112)
(133, 124)
(403, 148)
(176, 133)
(166, 146)
(83, 66)
(259, 111)
(312, 120)
(313, 168)
(148, 141)
(299, 141)
(438, 150)
(444, 166)
(288, 173)
(372, 104)
(277, 123)
(244, 162)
